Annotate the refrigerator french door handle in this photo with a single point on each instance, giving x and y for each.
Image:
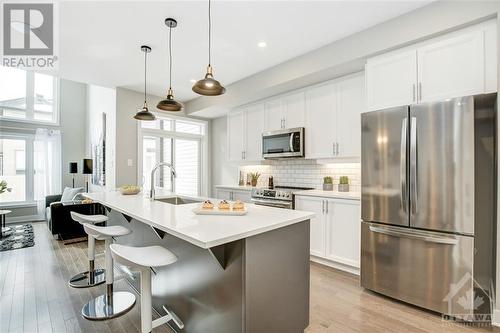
(413, 165)
(402, 164)
(414, 235)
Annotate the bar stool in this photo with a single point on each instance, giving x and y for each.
(111, 304)
(92, 277)
(142, 259)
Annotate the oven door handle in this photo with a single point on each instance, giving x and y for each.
(291, 142)
(272, 203)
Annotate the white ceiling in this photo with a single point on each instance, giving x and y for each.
(100, 41)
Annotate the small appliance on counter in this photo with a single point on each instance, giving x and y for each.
(270, 183)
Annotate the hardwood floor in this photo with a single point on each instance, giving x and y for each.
(35, 297)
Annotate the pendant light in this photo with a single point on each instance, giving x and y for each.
(144, 114)
(169, 104)
(209, 86)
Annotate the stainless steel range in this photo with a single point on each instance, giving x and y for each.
(280, 196)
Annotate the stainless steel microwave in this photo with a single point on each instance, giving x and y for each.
(283, 143)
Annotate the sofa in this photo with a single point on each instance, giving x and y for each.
(58, 217)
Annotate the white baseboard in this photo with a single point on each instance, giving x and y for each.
(336, 265)
(495, 321)
(24, 218)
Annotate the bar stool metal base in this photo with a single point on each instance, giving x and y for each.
(106, 307)
(86, 280)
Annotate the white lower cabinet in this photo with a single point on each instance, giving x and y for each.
(335, 231)
(230, 194)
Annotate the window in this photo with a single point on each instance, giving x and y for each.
(15, 159)
(178, 141)
(27, 96)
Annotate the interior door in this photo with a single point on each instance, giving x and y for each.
(442, 165)
(384, 190)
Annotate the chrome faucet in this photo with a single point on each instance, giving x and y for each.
(157, 166)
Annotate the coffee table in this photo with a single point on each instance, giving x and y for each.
(4, 231)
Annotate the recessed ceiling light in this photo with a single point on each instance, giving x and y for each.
(262, 44)
(192, 80)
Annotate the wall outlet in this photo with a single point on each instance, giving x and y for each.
(130, 162)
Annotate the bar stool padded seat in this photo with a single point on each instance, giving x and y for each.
(111, 231)
(82, 218)
(147, 256)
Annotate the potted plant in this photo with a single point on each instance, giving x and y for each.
(344, 184)
(3, 187)
(254, 176)
(328, 183)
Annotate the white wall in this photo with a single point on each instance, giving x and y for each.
(102, 100)
(222, 172)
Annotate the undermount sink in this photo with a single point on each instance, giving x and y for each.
(178, 200)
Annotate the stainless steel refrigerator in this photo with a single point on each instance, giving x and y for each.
(428, 203)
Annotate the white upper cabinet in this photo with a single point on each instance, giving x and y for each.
(254, 126)
(294, 106)
(350, 98)
(321, 116)
(458, 64)
(333, 118)
(274, 114)
(235, 137)
(391, 80)
(285, 112)
(451, 68)
(244, 133)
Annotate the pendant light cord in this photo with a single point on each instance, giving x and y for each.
(170, 55)
(209, 32)
(145, 71)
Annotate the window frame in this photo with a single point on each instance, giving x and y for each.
(29, 174)
(173, 135)
(30, 103)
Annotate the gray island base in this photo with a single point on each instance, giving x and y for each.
(255, 284)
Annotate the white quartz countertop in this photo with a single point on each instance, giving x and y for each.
(330, 194)
(236, 187)
(204, 231)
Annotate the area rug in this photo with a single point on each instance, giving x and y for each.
(21, 236)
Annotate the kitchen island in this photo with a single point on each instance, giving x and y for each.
(234, 273)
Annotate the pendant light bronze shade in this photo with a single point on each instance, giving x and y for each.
(143, 113)
(169, 103)
(209, 86)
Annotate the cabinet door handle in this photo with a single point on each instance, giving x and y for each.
(333, 148)
(284, 123)
(420, 91)
(337, 144)
(413, 90)
(323, 206)
(326, 205)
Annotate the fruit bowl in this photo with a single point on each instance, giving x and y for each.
(129, 189)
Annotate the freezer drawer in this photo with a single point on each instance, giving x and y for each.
(418, 267)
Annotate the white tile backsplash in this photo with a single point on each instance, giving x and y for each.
(305, 173)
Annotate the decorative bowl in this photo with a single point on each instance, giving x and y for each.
(129, 189)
